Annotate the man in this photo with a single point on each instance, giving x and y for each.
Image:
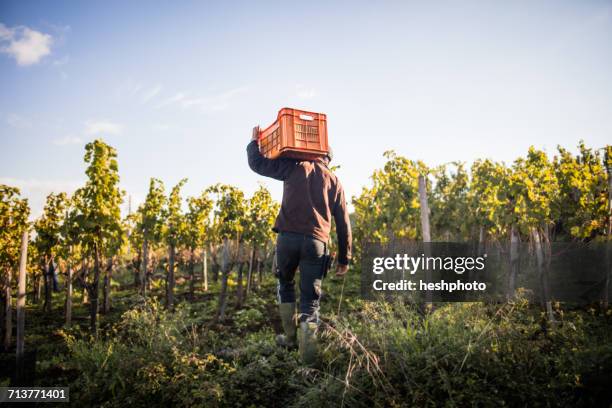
(312, 195)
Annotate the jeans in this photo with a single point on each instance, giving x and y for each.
(295, 250)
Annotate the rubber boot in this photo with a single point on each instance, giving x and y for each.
(287, 313)
(308, 343)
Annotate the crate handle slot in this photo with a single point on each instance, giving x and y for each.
(306, 117)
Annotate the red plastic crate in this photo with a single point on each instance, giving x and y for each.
(296, 134)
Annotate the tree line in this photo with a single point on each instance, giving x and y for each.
(566, 197)
(84, 237)
(537, 199)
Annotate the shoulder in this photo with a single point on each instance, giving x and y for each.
(288, 162)
(325, 170)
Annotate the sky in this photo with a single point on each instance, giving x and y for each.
(176, 87)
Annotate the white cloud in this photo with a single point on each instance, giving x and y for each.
(67, 140)
(17, 121)
(128, 89)
(211, 103)
(5, 33)
(177, 98)
(305, 92)
(94, 128)
(183, 100)
(27, 46)
(222, 101)
(151, 93)
(59, 65)
(61, 61)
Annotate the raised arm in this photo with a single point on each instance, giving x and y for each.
(278, 169)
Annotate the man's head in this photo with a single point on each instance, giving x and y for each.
(329, 156)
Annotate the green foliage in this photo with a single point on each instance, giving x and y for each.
(533, 188)
(152, 216)
(608, 159)
(152, 357)
(246, 318)
(486, 200)
(582, 200)
(265, 375)
(14, 212)
(391, 206)
(131, 224)
(566, 194)
(50, 227)
(261, 213)
(229, 212)
(379, 354)
(175, 226)
(72, 248)
(464, 354)
(449, 203)
(99, 216)
(197, 220)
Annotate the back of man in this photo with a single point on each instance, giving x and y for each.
(312, 196)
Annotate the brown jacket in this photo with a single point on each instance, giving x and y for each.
(312, 195)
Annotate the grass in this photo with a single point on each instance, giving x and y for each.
(372, 353)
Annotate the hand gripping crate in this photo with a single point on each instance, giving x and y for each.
(296, 134)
